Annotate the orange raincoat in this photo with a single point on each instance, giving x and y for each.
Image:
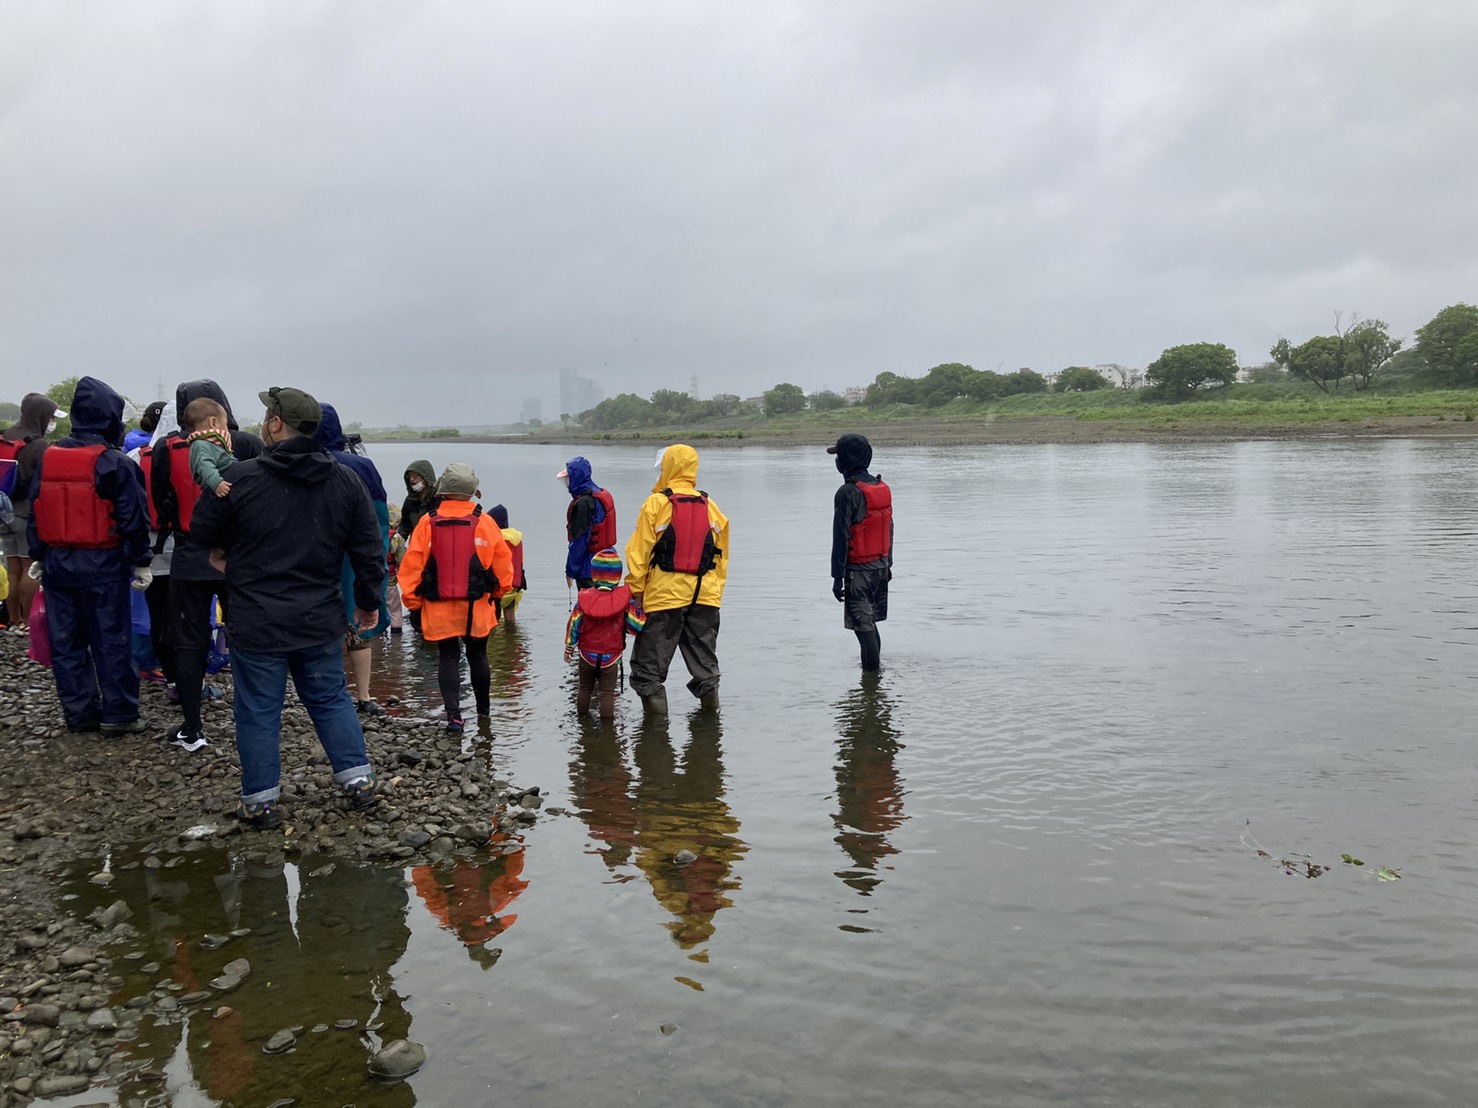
(448, 619)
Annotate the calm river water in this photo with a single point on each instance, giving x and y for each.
(1019, 869)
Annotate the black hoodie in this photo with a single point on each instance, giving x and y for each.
(853, 456)
(36, 412)
(191, 561)
(291, 517)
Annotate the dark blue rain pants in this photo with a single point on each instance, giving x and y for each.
(91, 629)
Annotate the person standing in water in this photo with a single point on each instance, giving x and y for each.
(590, 521)
(508, 606)
(861, 546)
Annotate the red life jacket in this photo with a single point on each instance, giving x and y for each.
(603, 534)
(687, 545)
(518, 578)
(872, 538)
(9, 465)
(603, 620)
(68, 510)
(182, 480)
(453, 570)
(146, 463)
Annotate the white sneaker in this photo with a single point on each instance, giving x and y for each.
(183, 740)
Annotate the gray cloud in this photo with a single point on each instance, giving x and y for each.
(406, 206)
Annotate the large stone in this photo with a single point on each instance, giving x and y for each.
(113, 915)
(61, 1084)
(399, 1059)
(75, 956)
(102, 1020)
(283, 1040)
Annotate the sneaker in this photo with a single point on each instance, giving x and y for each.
(259, 817)
(88, 726)
(368, 708)
(362, 793)
(155, 676)
(186, 741)
(118, 730)
(455, 726)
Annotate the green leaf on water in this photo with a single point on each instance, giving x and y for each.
(1387, 873)
(1351, 860)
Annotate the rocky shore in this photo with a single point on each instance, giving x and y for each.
(71, 803)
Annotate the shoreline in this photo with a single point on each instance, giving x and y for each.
(78, 803)
(1023, 431)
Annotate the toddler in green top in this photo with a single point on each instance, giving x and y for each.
(210, 444)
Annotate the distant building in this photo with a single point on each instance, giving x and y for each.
(577, 394)
(532, 410)
(856, 394)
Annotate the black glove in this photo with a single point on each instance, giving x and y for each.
(838, 589)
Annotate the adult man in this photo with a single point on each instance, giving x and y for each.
(676, 565)
(861, 546)
(89, 533)
(23, 444)
(590, 521)
(292, 516)
(193, 582)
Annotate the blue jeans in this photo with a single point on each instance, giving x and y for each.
(261, 685)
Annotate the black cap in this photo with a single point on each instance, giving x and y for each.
(862, 439)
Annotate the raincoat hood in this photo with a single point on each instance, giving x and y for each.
(679, 468)
(166, 424)
(36, 410)
(330, 432)
(97, 411)
(300, 460)
(499, 514)
(427, 473)
(580, 480)
(194, 390)
(853, 454)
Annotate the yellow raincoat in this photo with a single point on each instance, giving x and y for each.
(656, 588)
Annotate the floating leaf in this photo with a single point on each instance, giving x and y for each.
(1387, 873)
(1351, 860)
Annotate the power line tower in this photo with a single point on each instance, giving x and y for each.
(693, 386)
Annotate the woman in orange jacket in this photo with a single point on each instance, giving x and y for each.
(456, 568)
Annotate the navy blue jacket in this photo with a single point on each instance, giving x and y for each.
(585, 513)
(97, 417)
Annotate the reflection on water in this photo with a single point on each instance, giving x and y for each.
(471, 899)
(321, 937)
(673, 802)
(869, 789)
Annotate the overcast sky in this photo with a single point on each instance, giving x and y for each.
(422, 211)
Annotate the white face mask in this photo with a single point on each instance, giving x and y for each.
(51, 427)
(565, 481)
(417, 486)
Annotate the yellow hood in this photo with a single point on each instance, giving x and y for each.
(679, 469)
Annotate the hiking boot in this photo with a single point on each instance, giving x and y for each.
(89, 726)
(262, 816)
(185, 741)
(455, 726)
(362, 793)
(656, 704)
(118, 730)
(368, 708)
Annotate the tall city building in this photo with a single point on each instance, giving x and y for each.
(577, 394)
(532, 409)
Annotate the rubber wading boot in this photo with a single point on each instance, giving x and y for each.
(656, 704)
(709, 701)
(872, 650)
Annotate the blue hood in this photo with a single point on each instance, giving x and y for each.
(579, 473)
(330, 433)
(97, 411)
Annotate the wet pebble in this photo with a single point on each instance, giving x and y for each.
(283, 1040)
(399, 1059)
(75, 956)
(684, 858)
(102, 1020)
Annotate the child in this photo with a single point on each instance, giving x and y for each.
(597, 631)
(454, 569)
(210, 453)
(514, 538)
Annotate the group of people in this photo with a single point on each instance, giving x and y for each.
(291, 537)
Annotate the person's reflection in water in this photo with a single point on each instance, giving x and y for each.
(681, 807)
(508, 658)
(869, 790)
(325, 937)
(600, 786)
(470, 899)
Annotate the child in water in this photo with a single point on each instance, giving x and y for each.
(514, 538)
(597, 630)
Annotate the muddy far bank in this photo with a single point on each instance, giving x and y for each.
(1021, 430)
(83, 808)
